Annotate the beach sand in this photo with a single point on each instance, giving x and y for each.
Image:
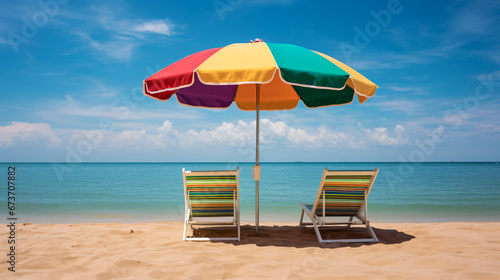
(157, 251)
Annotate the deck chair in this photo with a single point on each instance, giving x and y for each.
(210, 197)
(341, 194)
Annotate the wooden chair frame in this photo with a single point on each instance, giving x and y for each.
(320, 221)
(189, 219)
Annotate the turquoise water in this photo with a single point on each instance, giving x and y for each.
(147, 192)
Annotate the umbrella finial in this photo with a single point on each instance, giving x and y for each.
(256, 40)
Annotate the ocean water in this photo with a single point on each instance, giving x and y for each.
(148, 192)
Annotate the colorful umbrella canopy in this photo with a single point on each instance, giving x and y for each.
(259, 76)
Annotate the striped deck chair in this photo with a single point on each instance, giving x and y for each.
(211, 195)
(341, 194)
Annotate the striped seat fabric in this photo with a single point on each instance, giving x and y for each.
(212, 195)
(344, 194)
(341, 193)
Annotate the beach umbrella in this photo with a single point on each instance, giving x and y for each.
(259, 76)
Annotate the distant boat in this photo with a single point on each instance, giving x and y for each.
(451, 160)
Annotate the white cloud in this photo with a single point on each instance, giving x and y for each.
(467, 28)
(404, 105)
(117, 34)
(386, 60)
(381, 59)
(241, 134)
(489, 77)
(398, 88)
(232, 135)
(121, 108)
(411, 89)
(155, 26)
(28, 132)
(475, 17)
(120, 49)
(381, 136)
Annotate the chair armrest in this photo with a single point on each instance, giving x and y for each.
(305, 208)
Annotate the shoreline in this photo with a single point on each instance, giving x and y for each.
(470, 250)
(386, 218)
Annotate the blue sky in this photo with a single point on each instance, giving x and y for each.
(72, 74)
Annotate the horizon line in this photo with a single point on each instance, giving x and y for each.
(10, 162)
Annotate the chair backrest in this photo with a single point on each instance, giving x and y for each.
(343, 193)
(211, 193)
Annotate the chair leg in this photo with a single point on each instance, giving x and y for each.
(239, 225)
(301, 218)
(370, 230)
(316, 229)
(185, 228)
(186, 221)
(350, 220)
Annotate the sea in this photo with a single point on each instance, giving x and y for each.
(153, 192)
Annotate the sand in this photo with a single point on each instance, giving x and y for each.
(157, 251)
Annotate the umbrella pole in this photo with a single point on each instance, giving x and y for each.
(256, 173)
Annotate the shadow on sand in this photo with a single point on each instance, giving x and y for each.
(292, 236)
